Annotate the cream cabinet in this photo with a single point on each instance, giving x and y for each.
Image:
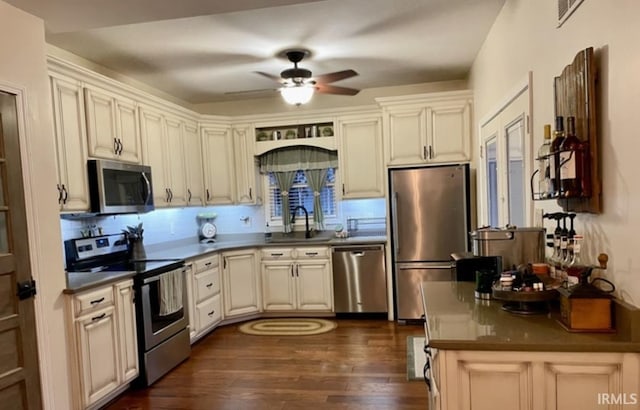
(102, 326)
(112, 126)
(247, 176)
(297, 279)
(71, 143)
(360, 154)
(535, 380)
(241, 283)
(219, 167)
(193, 166)
(205, 299)
(427, 128)
(166, 142)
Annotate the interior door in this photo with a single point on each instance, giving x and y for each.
(19, 375)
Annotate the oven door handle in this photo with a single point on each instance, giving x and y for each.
(157, 277)
(148, 195)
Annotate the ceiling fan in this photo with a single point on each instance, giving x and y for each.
(298, 84)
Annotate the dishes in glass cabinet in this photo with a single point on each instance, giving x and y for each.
(262, 136)
(290, 134)
(327, 131)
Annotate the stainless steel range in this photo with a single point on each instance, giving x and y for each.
(161, 299)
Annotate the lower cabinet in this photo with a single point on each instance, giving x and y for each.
(241, 283)
(297, 279)
(535, 380)
(102, 324)
(204, 285)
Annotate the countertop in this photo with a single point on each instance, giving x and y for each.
(191, 248)
(458, 321)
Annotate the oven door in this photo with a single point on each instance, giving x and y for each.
(163, 304)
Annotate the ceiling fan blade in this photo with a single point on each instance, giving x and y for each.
(332, 89)
(336, 76)
(269, 76)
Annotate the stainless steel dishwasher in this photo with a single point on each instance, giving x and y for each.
(359, 279)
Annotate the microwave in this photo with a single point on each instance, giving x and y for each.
(119, 188)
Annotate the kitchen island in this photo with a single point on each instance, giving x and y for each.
(483, 357)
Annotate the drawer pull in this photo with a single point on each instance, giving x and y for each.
(94, 319)
(211, 313)
(95, 302)
(311, 253)
(207, 264)
(277, 254)
(209, 285)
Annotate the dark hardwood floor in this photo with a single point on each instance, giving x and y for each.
(359, 365)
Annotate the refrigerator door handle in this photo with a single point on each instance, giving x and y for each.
(413, 267)
(394, 207)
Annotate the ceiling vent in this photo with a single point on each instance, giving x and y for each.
(566, 9)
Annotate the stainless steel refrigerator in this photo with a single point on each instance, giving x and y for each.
(430, 220)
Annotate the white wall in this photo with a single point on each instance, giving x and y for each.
(525, 38)
(23, 69)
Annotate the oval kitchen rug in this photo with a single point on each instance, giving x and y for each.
(287, 327)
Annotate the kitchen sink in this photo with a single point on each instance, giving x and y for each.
(298, 236)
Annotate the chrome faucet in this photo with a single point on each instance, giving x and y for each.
(307, 231)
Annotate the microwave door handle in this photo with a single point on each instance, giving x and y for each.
(148, 184)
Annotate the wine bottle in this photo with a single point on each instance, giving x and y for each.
(554, 169)
(544, 166)
(572, 160)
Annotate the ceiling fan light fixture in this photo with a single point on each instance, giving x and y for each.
(297, 94)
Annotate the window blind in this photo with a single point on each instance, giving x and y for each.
(301, 195)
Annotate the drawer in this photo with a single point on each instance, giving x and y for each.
(208, 313)
(277, 253)
(315, 252)
(207, 284)
(92, 300)
(206, 263)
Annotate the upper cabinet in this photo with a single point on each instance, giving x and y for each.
(71, 144)
(112, 126)
(219, 169)
(247, 176)
(167, 147)
(427, 128)
(360, 155)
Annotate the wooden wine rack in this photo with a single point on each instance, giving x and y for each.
(575, 95)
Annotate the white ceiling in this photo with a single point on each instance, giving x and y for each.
(199, 50)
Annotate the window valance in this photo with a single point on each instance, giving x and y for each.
(297, 158)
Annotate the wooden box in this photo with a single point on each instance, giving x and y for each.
(586, 314)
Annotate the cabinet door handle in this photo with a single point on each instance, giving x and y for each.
(209, 285)
(95, 302)
(189, 193)
(292, 271)
(297, 267)
(119, 146)
(342, 189)
(277, 254)
(311, 253)
(224, 263)
(96, 318)
(170, 195)
(115, 145)
(66, 194)
(424, 152)
(430, 152)
(250, 194)
(207, 194)
(211, 313)
(59, 193)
